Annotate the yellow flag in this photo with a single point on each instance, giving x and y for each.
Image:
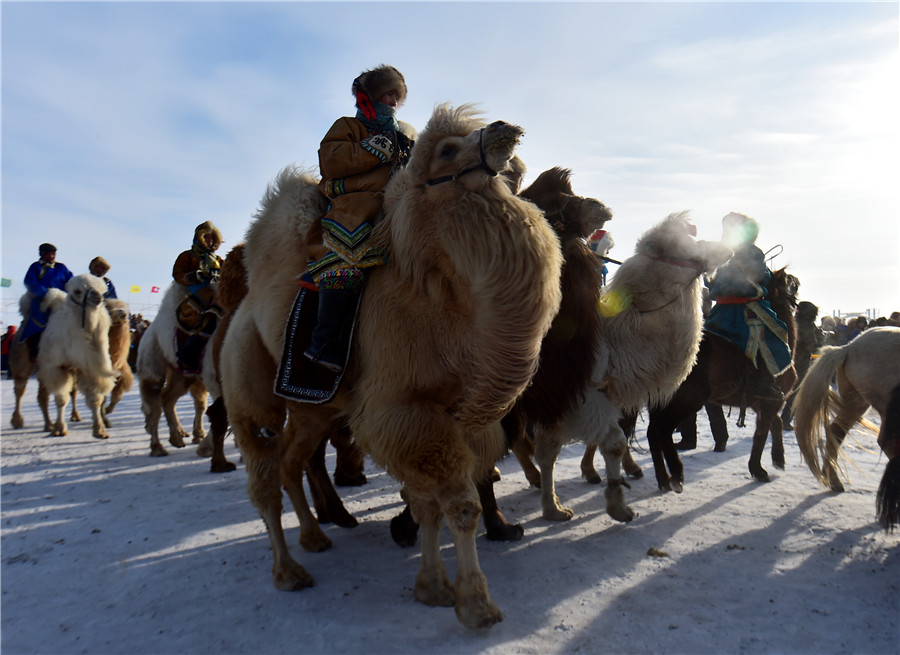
(135, 289)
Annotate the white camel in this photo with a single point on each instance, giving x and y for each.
(75, 348)
(161, 383)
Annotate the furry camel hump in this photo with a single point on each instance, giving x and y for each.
(478, 260)
(276, 241)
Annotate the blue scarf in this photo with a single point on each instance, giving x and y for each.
(385, 119)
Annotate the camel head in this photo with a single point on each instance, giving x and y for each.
(674, 240)
(570, 216)
(86, 290)
(118, 311)
(456, 145)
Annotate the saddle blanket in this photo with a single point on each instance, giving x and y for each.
(299, 378)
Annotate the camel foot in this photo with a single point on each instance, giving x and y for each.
(315, 541)
(342, 479)
(205, 449)
(615, 502)
(504, 531)
(198, 438)
(101, 435)
(404, 529)
(18, 422)
(435, 589)
(633, 470)
(476, 609)
(158, 450)
(294, 578)
(591, 477)
(221, 467)
(558, 513)
(176, 440)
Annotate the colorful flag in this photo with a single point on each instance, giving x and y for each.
(154, 289)
(5, 282)
(135, 289)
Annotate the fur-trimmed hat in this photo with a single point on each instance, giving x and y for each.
(378, 81)
(207, 227)
(601, 242)
(44, 248)
(99, 260)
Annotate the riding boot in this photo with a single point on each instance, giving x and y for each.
(189, 354)
(328, 344)
(762, 385)
(34, 342)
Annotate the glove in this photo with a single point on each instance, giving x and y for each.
(380, 145)
(202, 276)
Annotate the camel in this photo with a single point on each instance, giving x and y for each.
(21, 368)
(75, 347)
(447, 337)
(161, 383)
(119, 348)
(649, 333)
(868, 372)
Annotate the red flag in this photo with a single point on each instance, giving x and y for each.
(154, 290)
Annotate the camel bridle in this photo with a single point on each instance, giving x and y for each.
(83, 304)
(480, 166)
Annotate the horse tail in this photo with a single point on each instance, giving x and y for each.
(887, 501)
(813, 407)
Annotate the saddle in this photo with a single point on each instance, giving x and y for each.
(299, 378)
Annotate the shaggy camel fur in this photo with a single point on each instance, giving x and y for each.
(161, 383)
(119, 348)
(867, 370)
(448, 336)
(75, 347)
(650, 329)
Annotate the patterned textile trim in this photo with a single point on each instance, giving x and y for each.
(335, 187)
(368, 146)
(333, 262)
(758, 320)
(348, 279)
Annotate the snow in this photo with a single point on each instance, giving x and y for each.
(107, 550)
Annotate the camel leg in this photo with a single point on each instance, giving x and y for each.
(44, 403)
(432, 583)
(16, 419)
(299, 451)
(151, 405)
(495, 524)
(218, 428)
(74, 417)
(329, 507)
(350, 468)
(404, 529)
(547, 447)
(94, 401)
(200, 396)
(523, 449)
(176, 386)
(628, 423)
(60, 429)
(474, 607)
(613, 446)
(588, 472)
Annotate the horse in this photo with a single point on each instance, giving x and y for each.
(867, 370)
(719, 376)
(447, 337)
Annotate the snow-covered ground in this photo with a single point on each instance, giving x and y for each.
(107, 550)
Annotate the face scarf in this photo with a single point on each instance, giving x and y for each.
(378, 117)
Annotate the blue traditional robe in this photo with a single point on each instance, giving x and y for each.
(40, 277)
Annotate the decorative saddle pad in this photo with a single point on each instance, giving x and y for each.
(298, 378)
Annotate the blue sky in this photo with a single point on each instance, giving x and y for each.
(124, 125)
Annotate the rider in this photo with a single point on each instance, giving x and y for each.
(742, 314)
(46, 273)
(356, 160)
(198, 314)
(100, 267)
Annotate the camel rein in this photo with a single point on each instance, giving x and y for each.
(480, 166)
(83, 305)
